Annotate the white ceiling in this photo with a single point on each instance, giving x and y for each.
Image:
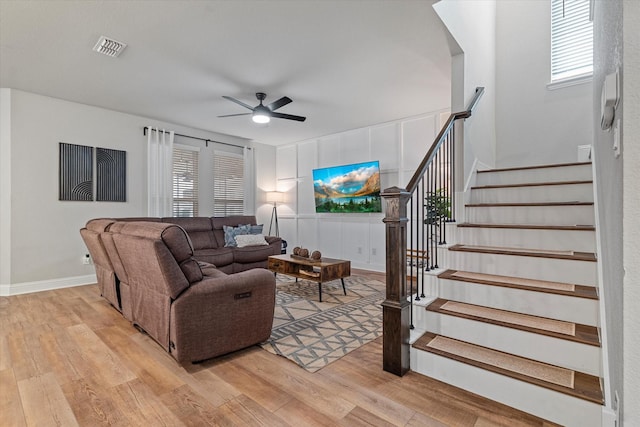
(346, 64)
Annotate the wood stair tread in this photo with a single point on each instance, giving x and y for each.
(544, 286)
(532, 184)
(530, 226)
(569, 255)
(583, 386)
(529, 204)
(521, 168)
(584, 334)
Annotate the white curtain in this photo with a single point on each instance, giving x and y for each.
(249, 182)
(159, 172)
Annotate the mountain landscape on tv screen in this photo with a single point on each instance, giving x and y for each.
(348, 189)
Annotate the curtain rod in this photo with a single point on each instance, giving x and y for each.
(206, 140)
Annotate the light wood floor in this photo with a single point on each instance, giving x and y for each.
(68, 358)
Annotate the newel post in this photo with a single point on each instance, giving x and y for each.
(396, 308)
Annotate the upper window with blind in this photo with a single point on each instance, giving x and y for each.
(185, 181)
(228, 183)
(571, 40)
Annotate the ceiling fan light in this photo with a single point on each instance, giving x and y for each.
(261, 114)
(260, 117)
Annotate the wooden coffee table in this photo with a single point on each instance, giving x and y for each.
(322, 271)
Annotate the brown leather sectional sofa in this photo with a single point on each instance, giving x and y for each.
(207, 236)
(158, 272)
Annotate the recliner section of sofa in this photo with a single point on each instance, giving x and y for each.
(122, 279)
(105, 272)
(205, 237)
(248, 257)
(205, 246)
(192, 309)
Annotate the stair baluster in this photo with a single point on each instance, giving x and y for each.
(439, 207)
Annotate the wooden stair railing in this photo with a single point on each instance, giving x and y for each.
(429, 199)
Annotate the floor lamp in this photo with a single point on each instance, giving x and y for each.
(275, 197)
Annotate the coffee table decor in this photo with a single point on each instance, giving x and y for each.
(321, 271)
(302, 253)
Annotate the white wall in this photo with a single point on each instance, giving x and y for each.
(44, 248)
(265, 160)
(360, 238)
(472, 25)
(534, 125)
(518, 121)
(631, 210)
(609, 193)
(5, 188)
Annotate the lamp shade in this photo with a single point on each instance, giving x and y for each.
(275, 196)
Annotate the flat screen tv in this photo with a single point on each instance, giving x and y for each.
(351, 188)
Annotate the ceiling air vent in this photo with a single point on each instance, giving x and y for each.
(109, 47)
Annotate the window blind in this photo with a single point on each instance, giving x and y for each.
(571, 39)
(185, 181)
(228, 184)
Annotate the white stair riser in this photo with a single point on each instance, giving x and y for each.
(560, 307)
(440, 260)
(552, 269)
(556, 240)
(555, 351)
(426, 283)
(548, 404)
(415, 233)
(523, 176)
(534, 194)
(532, 215)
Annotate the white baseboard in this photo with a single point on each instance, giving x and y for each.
(380, 268)
(46, 285)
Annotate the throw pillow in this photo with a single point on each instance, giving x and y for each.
(230, 234)
(256, 229)
(250, 240)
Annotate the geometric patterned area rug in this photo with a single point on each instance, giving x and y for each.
(314, 334)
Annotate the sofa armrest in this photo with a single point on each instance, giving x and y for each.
(272, 239)
(222, 314)
(275, 243)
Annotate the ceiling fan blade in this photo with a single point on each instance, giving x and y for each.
(232, 115)
(288, 116)
(238, 102)
(279, 103)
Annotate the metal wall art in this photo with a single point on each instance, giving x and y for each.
(111, 176)
(76, 172)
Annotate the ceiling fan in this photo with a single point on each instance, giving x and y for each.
(264, 113)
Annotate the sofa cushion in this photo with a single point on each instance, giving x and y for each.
(218, 256)
(256, 229)
(250, 254)
(198, 229)
(99, 225)
(231, 221)
(250, 240)
(179, 244)
(139, 219)
(230, 234)
(142, 250)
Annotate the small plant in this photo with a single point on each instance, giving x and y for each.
(437, 207)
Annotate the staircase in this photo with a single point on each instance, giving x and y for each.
(516, 315)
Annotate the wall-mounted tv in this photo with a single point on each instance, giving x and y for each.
(351, 188)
